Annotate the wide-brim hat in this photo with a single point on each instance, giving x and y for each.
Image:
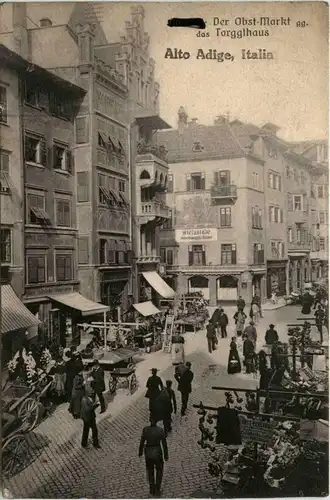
(271, 326)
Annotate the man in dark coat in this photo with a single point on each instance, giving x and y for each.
(271, 335)
(319, 320)
(165, 405)
(211, 336)
(223, 322)
(89, 418)
(240, 303)
(98, 383)
(215, 319)
(184, 387)
(154, 446)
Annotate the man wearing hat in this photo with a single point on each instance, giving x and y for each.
(271, 336)
(98, 383)
(154, 387)
(250, 333)
(184, 386)
(89, 418)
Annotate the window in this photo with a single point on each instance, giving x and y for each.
(36, 213)
(121, 254)
(63, 267)
(59, 107)
(3, 104)
(81, 130)
(4, 161)
(255, 180)
(35, 150)
(122, 186)
(31, 94)
(103, 192)
(272, 153)
(103, 251)
(297, 203)
(228, 254)
(195, 182)
(168, 224)
(322, 244)
(5, 245)
(290, 235)
(83, 250)
(169, 257)
(298, 233)
(274, 181)
(163, 255)
(82, 187)
(36, 269)
(225, 217)
(197, 147)
(321, 191)
(271, 214)
(258, 253)
(63, 213)
(256, 217)
(273, 248)
(222, 178)
(197, 255)
(322, 217)
(62, 159)
(170, 183)
(276, 214)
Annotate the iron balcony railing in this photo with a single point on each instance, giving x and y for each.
(223, 191)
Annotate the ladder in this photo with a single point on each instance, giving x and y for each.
(168, 332)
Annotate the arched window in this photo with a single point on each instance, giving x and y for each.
(161, 178)
(145, 175)
(199, 282)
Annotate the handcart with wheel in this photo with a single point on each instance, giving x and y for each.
(15, 447)
(121, 366)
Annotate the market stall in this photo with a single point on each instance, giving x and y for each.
(191, 313)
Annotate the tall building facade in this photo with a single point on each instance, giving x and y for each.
(242, 221)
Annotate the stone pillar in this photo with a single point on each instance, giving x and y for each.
(263, 288)
(245, 287)
(143, 249)
(213, 290)
(294, 275)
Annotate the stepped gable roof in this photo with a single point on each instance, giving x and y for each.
(87, 13)
(216, 141)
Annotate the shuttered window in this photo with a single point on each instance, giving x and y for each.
(83, 250)
(82, 131)
(82, 186)
(170, 183)
(63, 213)
(63, 267)
(4, 161)
(36, 269)
(228, 254)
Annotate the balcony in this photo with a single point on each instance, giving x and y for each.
(223, 194)
(154, 210)
(302, 246)
(159, 152)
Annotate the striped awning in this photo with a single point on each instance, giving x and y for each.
(159, 285)
(75, 300)
(14, 314)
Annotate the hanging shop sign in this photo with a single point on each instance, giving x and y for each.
(256, 430)
(196, 235)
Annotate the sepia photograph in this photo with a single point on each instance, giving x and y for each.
(164, 248)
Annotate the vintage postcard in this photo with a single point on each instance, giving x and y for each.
(164, 249)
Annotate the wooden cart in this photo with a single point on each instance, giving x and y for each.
(23, 402)
(15, 447)
(120, 364)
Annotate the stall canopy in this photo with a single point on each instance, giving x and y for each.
(77, 301)
(159, 284)
(14, 314)
(146, 308)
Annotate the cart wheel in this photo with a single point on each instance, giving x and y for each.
(133, 383)
(28, 412)
(15, 452)
(112, 385)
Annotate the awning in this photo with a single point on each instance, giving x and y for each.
(146, 308)
(77, 301)
(159, 284)
(297, 254)
(151, 121)
(14, 314)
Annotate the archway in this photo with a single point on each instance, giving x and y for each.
(145, 175)
(199, 284)
(227, 288)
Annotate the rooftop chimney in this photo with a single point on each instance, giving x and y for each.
(182, 119)
(21, 39)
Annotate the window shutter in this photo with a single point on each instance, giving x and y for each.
(188, 177)
(202, 180)
(233, 254)
(4, 162)
(83, 250)
(82, 187)
(281, 215)
(70, 161)
(216, 178)
(253, 217)
(270, 214)
(290, 203)
(169, 257)
(82, 132)
(260, 217)
(43, 153)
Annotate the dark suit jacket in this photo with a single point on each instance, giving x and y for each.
(98, 384)
(152, 441)
(87, 411)
(185, 381)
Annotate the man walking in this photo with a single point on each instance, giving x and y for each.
(240, 303)
(250, 333)
(223, 322)
(153, 444)
(215, 319)
(319, 320)
(89, 418)
(184, 387)
(98, 383)
(166, 403)
(211, 337)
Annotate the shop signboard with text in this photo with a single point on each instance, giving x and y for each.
(196, 235)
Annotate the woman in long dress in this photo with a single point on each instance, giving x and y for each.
(234, 363)
(77, 394)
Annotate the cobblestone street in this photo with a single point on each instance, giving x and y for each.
(61, 469)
